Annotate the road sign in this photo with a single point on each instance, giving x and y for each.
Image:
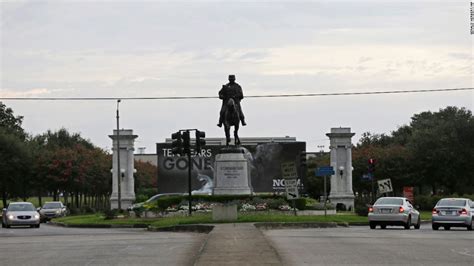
(385, 185)
(291, 186)
(325, 171)
(288, 170)
(408, 193)
(367, 176)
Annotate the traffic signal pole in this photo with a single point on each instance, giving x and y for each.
(190, 167)
(181, 144)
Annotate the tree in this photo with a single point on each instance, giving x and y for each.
(9, 123)
(435, 150)
(71, 165)
(14, 156)
(145, 178)
(442, 144)
(14, 167)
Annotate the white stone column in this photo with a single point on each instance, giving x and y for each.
(348, 170)
(127, 182)
(341, 155)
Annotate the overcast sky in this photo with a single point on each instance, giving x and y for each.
(188, 48)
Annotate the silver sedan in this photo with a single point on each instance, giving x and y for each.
(51, 210)
(20, 213)
(453, 212)
(393, 211)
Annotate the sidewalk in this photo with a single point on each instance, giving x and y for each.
(237, 244)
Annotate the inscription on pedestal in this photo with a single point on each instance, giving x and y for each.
(232, 175)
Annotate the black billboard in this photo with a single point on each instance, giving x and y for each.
(264, 162)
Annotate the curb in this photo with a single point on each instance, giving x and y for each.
(367, 223)
(99, 225)
(194, 228)
(277, 225)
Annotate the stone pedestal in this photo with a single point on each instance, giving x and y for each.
(232, 175)
(127, 169)
(224, 212)
(341, 161)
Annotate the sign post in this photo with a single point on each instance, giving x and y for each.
(290, 175)
(325, 171)
(385, 185)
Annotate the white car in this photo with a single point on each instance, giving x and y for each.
(453, 212)
(20, 213)
(393, 211)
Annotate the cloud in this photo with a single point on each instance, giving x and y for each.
(9, 93)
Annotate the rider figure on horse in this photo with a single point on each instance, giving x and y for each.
(234, 91)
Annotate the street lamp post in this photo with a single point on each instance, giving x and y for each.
(321, 150)
(119, 181)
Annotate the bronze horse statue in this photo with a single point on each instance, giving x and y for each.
(231, 118)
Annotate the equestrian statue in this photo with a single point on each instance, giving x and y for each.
(231, 112)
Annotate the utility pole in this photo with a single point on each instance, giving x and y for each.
(119, 174)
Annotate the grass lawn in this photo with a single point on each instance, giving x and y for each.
(202, 218)
(425, 215)
(100, 219)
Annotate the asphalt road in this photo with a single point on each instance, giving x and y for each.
(51, 245)
(362, 246)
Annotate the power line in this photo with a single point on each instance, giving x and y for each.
(214, 97)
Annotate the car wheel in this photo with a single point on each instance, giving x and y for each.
(418, 224)
(408, 224)
(3, 225)
(435, 226)
(38, 226)
(372, 225)
(383, 226)
(447, 227)
(469, 227)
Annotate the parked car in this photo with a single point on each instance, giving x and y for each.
(453, 212)
(393, 211)
(153, 200)
(20, 213)
(52, 209)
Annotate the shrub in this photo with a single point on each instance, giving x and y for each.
(427, 202)
(300, 203)
(361, 206)
(89, 209)
(141, 198)
(110, 214)
(341, 207)
(275, 203)
(165, 202)
(362, 210)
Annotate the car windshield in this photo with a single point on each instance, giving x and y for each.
(52, 205)
(21, 207)
(389, 201)
(153, 198)
(451, 203)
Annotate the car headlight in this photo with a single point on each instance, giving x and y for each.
(58, 212)
(11, 217)
(37, 216)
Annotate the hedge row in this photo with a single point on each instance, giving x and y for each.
(272, 201)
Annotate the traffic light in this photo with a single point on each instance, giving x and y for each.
(186, 142)
(177, 143)
(200, 141)
(303, 160)
(371, 166)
